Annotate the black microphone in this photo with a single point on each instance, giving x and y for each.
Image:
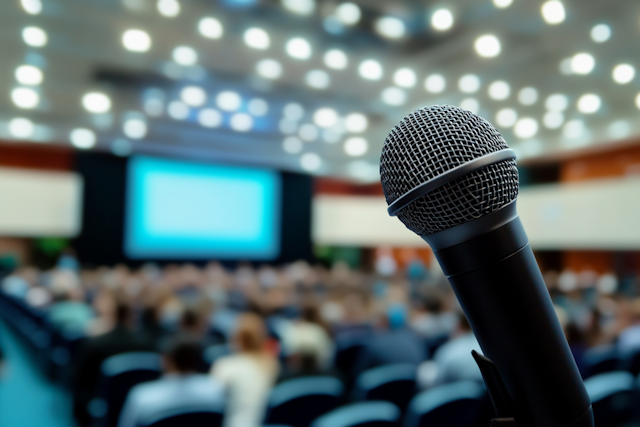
(450, 177)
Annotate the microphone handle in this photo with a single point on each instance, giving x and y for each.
(497, 281)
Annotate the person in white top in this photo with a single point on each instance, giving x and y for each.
(248, 375)
(180, 388)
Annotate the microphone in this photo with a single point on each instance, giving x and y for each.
(450, 177)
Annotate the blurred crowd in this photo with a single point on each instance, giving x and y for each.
(229, 336)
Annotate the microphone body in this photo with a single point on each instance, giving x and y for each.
(496, 279)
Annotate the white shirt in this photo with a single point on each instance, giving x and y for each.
(149, 399)
(247, 381)
(455, 362)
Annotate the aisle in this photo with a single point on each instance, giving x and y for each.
(26, 398)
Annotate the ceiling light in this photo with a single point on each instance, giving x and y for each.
(185, 55)
(32, 7)
(210, 28)
(318, 79)
(168, 8)
(178, 110)
(506, 117)
(370, 69)
(488, 46)
(210, 118)
(356, 122)
(528, 96)
(269, 68)
(287, 126)
(298, 48)
(553, 119)
(470, 104)
(638, 100)
(582, 63)
(502, 4)
(325, 117)
(34, 36)
(96, 102)
(348, 13)
(499, 90)
(364, 171)
(258, 107)
(29, 75)
(308, 132)
(21, 128)
(121, 147)
(301, 7)
(469, 83)
(330, 136)
(557, 102)
(393, 96)
(83, 138)
(435, 83)
(292, 145)
(390, 27)
(600, 33)
(565, 66)
(573, 129)
(257, 38)
(241, 122)
(589, 103)
(619, 129)
(135, 128)
(553, 12)
(24, 97)
(405, 77)
(228, 100)
(356, 146)
(335, 59)
(623, 73)
(442, 20)
(193, 96)
(310, 162)
(293, 111)
(526, 128)
(136, 40)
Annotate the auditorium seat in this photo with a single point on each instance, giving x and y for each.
(630, 362)
(362, 414)
(297, 402)
(458, 404)
(193, 417)
(120, 373)
(600, 359)
(613, 396)
(392, 383)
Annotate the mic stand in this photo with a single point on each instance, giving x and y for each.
(502, 402)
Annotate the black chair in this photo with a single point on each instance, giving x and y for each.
(392, 383)
(458, 404)
(120, 373)
(613, 396)
(630, 362)
(194, 417)
(601, 359)
(299, 401)
(362, 414)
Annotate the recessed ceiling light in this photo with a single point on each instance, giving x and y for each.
(435, 83)
(34, 36)
(573, 129)
(405, 77)
(442, 20)
(136, 40)
(502, 4)
(178, 110)
(525, 128)
(298, 48)
(356, 146)
(638, 100)
(470, 104)
(582, 63)
(293, 111)
(394, 96)
(370, 69)
(210, 118)
(269, 68)
(310, 162)
(499, 90)
(257, 38)
(21, 128)
(29, 75)
(258, 107)
(488, 46)
(390, 27)
(301, 7)
(318, 79)
(168, 8)
(83, 138)
(292, 145)
(335, 59)
(185, 55)
(589, 103)
(308, 132)
(623, 73)
(356, 122)
(96, 102)
(506, 117)
(228, 100)
(325, 117)
(348, 13)
(241, 122)
(469, 83)
(32, 7)
(601, 33)
(193, 95)
(24, 97)
(553, 119)
(553, 12)
(210, 28)
(557, 102)
(528, 96)
(135, 128)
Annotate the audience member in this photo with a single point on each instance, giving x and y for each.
(181, 387)
(247, 375)
(430, 319)
(69, 313)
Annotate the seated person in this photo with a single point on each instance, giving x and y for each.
(180, 387)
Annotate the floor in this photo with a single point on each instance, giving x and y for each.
(27, 399)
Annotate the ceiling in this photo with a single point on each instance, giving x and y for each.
(84, 53)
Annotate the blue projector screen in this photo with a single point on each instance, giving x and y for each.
(184, 210)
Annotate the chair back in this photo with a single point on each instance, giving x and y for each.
(613, 396)
(394, 383)
(362, 414)
(120, 373)
(192, 417)
(297, 402)
(457, 404)
(601, 359)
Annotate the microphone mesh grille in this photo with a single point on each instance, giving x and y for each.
(431, 141)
